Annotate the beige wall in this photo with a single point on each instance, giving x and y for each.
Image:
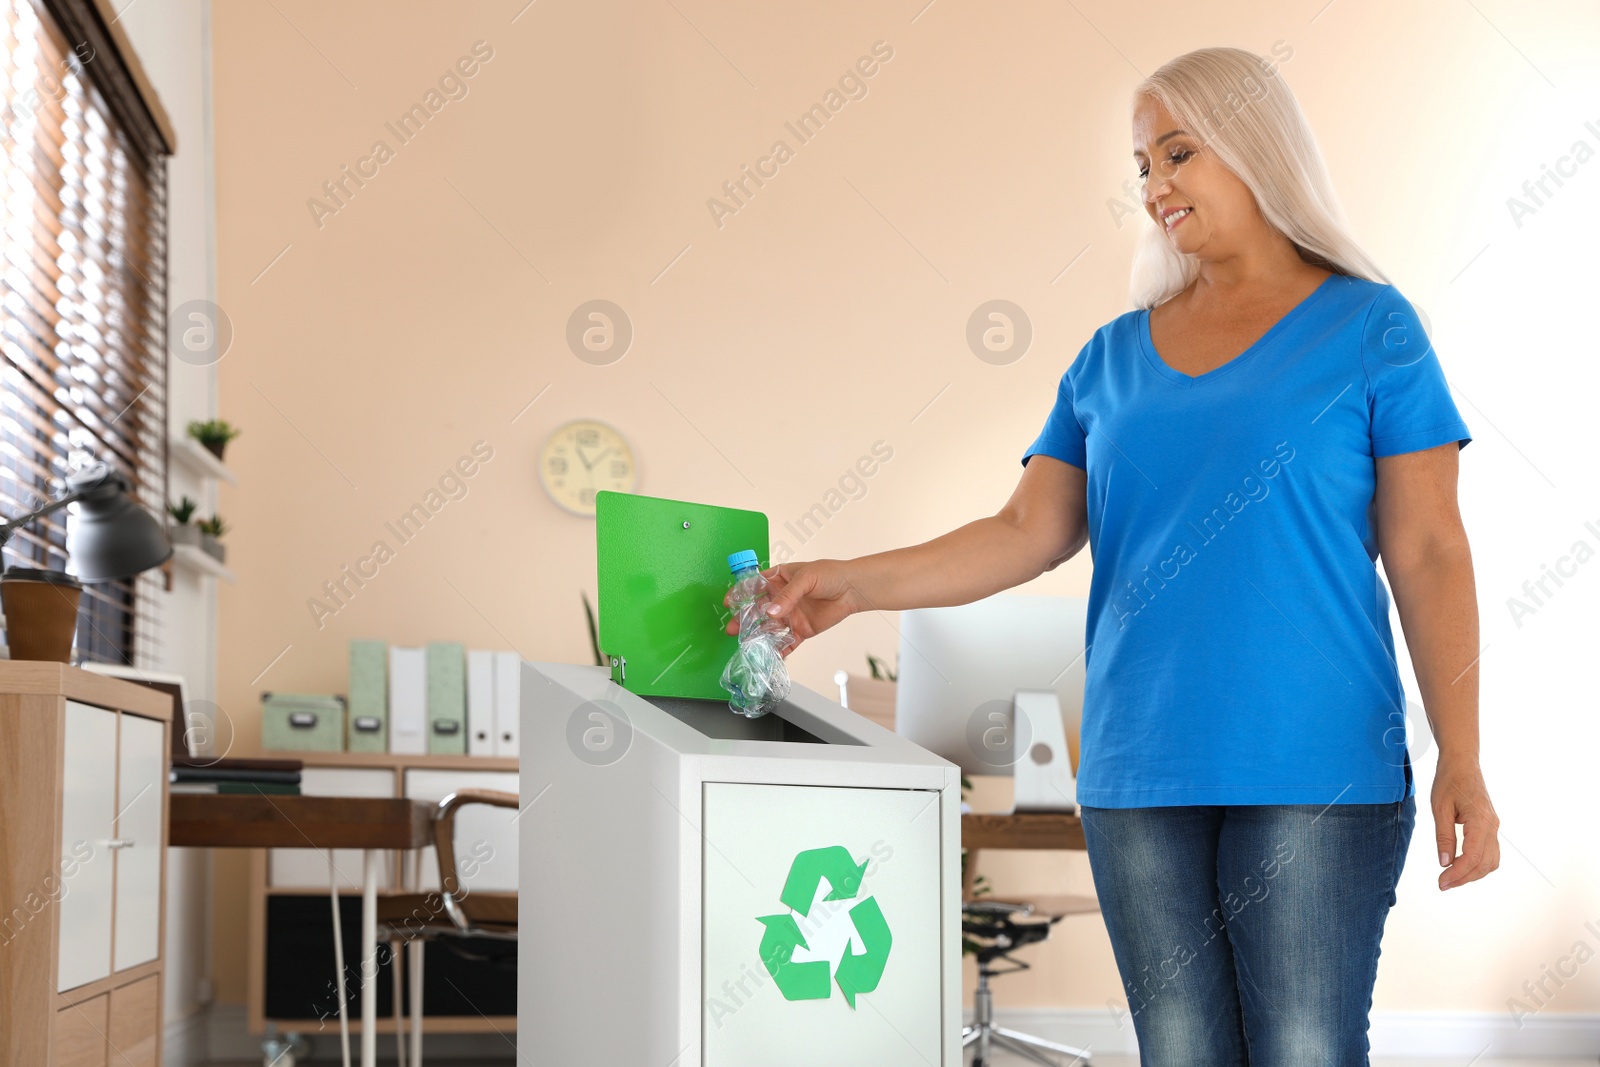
(376, 347)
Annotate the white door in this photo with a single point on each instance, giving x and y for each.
(139, 832)
(307, 868)
(821, 926)
(88, 805)
(485, 837)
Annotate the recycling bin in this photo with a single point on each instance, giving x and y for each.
(701, 888)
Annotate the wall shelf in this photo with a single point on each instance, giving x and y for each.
(196, 559)
(190, 453)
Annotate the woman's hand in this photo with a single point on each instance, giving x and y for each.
(1459, 796)
(808, 597)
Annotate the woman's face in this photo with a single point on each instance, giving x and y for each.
(1181, 174)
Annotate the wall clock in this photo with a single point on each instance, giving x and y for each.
(583, 457)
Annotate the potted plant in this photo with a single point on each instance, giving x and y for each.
(214, 434)
(873, 695)
(980, 887)
(210, 530)
(179, 531)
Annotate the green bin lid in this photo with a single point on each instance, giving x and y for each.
(663, 571)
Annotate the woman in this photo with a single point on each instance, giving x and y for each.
(1237, 452)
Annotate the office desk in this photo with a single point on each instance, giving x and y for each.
(1029, 830)
(371, 824)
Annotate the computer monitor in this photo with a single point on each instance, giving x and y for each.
(962, 667)
(180, 733)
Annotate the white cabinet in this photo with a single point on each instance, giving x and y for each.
(281, 880)
(485, 837)
(83, 836)
(112, 832)
(307, 868)
(88, 812)
(141, 765)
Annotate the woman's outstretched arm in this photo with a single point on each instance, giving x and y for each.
(1043, 524)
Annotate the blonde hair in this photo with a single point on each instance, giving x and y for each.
(1237, 103)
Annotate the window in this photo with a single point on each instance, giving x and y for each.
(83, 285)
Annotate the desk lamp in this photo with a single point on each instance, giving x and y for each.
(112, 538)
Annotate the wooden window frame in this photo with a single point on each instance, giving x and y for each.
(61, 402)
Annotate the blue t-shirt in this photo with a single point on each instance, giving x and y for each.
(1238, 641)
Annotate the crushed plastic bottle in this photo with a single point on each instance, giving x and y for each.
(756, 677)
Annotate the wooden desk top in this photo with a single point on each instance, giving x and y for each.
(226, 821)
(203, 820)
(1031, 830)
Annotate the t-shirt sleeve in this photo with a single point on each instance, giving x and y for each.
(1062, 436)
(1408, 399)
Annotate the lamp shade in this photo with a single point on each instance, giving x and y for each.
(111, 536)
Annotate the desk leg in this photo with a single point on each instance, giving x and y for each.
(417, 949)
(399, 1022)
(338, 962)
(369, 958)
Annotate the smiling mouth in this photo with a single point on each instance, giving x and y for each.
(1172, 220)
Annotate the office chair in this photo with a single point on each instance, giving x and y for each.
(997, 928)
(451, 913)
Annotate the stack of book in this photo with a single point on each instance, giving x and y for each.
(247, 777)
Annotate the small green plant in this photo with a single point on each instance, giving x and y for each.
(213, 433)
(182, 511)
(880, 669)
(213, 526)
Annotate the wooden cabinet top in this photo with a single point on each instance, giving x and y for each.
(42, 678)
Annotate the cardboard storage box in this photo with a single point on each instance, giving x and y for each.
(303, 722)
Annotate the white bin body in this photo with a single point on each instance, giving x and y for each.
(662, 867)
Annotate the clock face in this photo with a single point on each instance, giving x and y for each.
(582, 458)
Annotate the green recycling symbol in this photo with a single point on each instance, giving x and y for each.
(857, 972)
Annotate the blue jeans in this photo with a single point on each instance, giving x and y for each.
(1248, 934)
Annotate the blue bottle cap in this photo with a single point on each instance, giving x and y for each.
(738, 561)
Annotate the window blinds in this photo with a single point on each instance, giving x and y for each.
(83, 285)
